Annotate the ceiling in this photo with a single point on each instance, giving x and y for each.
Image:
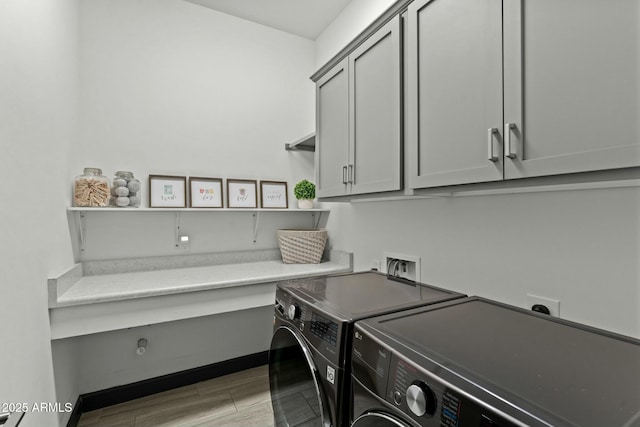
(305, 18)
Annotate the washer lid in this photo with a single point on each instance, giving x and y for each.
(361, 295)
(585, 376)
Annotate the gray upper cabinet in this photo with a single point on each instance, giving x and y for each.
(359, 118)
(521, 88)
(375, 111)
(572, 86)
(332, 131)
(454, 92)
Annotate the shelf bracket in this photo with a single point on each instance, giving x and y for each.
(177, 229)
(256, 221)
(79, 217)
(315, 219)
(308, 143)
(80, 223)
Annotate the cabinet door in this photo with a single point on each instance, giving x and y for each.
(332, 131)
(571, 85)
(455, 92)
(375, 88)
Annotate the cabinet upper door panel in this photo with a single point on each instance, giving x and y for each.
(332, 131)
(455, 91)
(375, 112)
(571, 85)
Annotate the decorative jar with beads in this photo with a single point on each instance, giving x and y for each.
(125, 191)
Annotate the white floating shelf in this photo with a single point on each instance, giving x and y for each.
(97, 209)
(80, 213)
(307, 143)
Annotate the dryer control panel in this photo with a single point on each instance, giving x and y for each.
(320, 330)
(431, 402)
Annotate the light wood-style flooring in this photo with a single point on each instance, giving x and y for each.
(241, 399)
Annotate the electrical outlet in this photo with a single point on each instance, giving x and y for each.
(399, 265)
(552, 304)
(183, 244)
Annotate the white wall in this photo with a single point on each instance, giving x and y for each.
(352, 20)
(580, 247)
(132, 234)
(109, 359)
(166, 86)
(170, 87)
(38, 122)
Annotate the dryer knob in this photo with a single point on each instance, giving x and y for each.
(420, 399)
(293, 312)
(397, 397)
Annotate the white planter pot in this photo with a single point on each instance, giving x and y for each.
(305, 203)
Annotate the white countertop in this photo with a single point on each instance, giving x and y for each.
(140, 284)
(102, 296)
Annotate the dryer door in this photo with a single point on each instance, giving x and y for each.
(296, 389)
(378, 419)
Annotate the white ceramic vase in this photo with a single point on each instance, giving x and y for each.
(305, 203)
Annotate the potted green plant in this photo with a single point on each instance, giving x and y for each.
(305, 192)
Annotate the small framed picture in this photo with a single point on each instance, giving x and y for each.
(242, 193)
(205, 192)
(273, 194)
(166, 191)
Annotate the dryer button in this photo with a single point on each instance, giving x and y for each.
(397, 397)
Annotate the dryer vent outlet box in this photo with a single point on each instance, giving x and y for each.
(403, 266)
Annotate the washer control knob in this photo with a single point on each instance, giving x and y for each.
(293, 312)
(420, 399)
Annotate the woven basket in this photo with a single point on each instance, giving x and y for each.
(302, 246)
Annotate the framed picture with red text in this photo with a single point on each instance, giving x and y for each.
(205, 192)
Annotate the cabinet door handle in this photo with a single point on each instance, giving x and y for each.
(491, 156)
(344, 174)
(350, 174)
(508, 152)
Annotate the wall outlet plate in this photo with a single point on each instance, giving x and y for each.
(183, 244)
(552, 304)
